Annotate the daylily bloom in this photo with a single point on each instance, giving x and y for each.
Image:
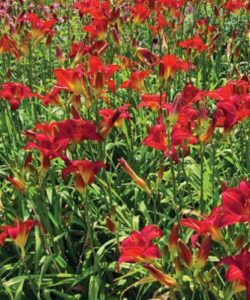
(101, 16)
(77, 130)
(14, 93)
(51, 98)
(99, 74)
(238, 271)
(84, 172)
(72, 80)
(234, 6)
(113, 117)
(170, 64)
(208, 225)
(8, 44)
(43, 139)
(194, 43)
(97, 29)
(180, 136)
(154, 102)
(52, 139)
(145, 55)
(157, 137)
(140, 13)
(79, 49)
(138, 247)
(39, 28)
(236, 203)
(18, 233)
(136, 80)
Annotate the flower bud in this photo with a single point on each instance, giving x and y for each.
(203, 252)
(99, 84)
(110, 224)
(173, 240)
(185, 253)
(139, 181)
(17, 183)
(164, 279)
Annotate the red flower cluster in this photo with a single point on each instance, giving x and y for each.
(52, 139)
(234, 209)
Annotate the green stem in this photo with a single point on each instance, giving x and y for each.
(202, 204)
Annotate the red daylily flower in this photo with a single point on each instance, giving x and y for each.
(14, 93)
(99, 74)
(18, 233)
(208, 225)
(157, 137)
(236, 203)
(235, 5)
(231, 89)
(138, 247)
(72, 80)
(145, 55)
(45, 142)
(97, 29)
(154, 102)
(180, 136)
(230, 113)
(79, 49)
(51, 98)
(140, 13)
(194, 43)
(113, 117)
(39, 28)
(84, 172)
(8, 44)
(238, 271)
(52, 139)
(170, 64)
(136, 80)
(77, 130)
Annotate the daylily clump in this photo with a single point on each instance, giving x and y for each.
(125, 137)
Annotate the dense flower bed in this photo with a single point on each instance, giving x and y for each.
(124, 149)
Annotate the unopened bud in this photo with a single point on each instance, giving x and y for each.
(139, 181)
(110, 224)
(164, 279)
(185, 253)
(99, 83)
(17, 183)
(203, 252)
(173, 240)
(239, 241)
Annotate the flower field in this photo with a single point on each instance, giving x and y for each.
(124, 149)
